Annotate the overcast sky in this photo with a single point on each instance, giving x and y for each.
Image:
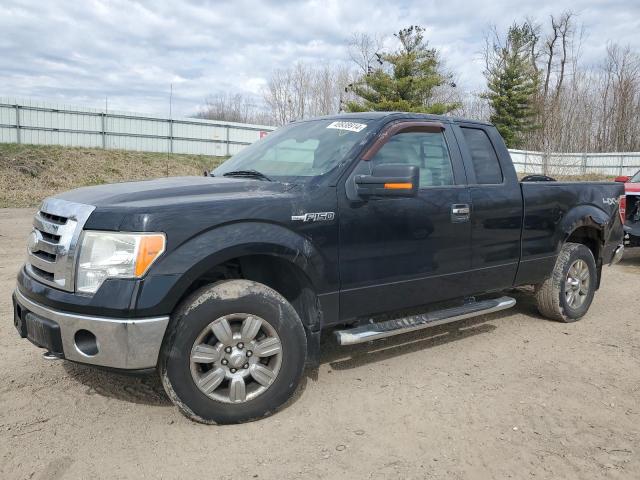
(81, 51)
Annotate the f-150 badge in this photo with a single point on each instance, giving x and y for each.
(314, 217)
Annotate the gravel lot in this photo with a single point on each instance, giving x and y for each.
(509, 395)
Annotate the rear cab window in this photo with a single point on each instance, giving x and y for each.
(484, 159)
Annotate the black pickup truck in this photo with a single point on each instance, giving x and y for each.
(371, 224)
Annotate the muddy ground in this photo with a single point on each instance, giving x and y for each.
(509, 395)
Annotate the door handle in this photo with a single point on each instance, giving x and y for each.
(460, 212)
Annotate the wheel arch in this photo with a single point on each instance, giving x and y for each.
(587, 225)
(282, 275)
(584, 224)
(185, 264)
(282, 260)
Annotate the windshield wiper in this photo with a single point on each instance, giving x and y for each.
(247, 173)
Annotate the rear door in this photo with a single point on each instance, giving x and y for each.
(497, 207)
(403, 252)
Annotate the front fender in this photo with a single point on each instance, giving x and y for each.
(174, 273)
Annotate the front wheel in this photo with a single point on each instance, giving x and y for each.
(235, 351)
(567, 294)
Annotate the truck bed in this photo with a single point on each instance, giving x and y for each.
(553, 209)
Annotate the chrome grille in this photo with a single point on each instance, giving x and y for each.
(54, 240)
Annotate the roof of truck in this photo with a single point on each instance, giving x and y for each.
(382, 115)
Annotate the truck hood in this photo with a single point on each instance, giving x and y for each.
(172, 191)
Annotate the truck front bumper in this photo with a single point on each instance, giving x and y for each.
(130, 344)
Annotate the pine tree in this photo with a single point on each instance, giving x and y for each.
(404, 80)
(513, 82)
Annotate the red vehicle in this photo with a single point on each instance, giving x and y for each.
(630, 209)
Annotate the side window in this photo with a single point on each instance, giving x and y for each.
(483, 156)
(426, 150)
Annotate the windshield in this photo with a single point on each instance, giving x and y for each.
(636, 178)
(305, 149)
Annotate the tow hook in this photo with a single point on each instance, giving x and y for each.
(617, 256)
(51, 356)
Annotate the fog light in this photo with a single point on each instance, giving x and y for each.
(86, 342)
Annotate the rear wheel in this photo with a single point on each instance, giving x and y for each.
(235, 352)
(567, 294)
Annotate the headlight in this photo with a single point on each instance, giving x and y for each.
(115, 255)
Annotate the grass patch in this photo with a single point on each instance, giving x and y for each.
(29, 173)
(588, 177)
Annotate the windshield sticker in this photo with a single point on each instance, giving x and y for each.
(349, 126)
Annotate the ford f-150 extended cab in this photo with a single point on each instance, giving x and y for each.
(372, 224)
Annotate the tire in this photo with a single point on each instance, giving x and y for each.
(554, 296)
(197, 388)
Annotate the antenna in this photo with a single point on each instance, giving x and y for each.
(105, 119)
(170, 144)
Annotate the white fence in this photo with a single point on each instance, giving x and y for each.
(33, 122)
(576, 163)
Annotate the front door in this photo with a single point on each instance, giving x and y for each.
(402, 252)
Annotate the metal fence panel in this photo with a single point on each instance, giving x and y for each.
(7, 115)
(612, 164)
(40, 123)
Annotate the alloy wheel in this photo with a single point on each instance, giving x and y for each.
(236, 358)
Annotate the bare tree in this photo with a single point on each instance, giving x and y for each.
(230, 107)
(473, 105)
(565, 30)
(595, 110)
(305, 90)
(550, 46)
(363, 49)
(622, 99)
(557, 48)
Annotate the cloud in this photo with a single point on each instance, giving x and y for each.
(130, 52)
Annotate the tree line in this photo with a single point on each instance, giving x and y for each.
(539, 92)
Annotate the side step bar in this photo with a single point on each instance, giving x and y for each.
(388, 328)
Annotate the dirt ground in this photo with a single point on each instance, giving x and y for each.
(509, 395)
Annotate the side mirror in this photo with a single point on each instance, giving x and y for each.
(389, 181)
(622, 179)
